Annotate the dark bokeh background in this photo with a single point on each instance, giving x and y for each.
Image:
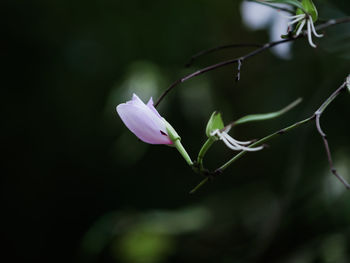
(79, 187)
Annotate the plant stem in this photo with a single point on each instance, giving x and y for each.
(324, 105)
(182, 151)
(265, 139)
(199, 185)
(318, 114)
(211, 50)
(203, 151)
(222, 64)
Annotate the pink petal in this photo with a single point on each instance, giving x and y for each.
(143, 121)
(150, 105)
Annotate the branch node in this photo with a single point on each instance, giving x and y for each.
(317, 115)
(218, 172)
(265, 146)
(281, 132)
(239, 65)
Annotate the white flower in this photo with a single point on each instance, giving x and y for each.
(234, 144)
(256, 16)
(305, 19)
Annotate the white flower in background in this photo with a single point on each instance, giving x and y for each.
(257, 16)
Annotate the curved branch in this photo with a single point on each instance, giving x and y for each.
(248, 55)
(211, 50)
(222, 64)
(318, 114)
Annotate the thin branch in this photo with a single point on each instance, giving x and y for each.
(206, 179)
(211, 50)
(333, 22)
(219, 65)
(316, 116)
(248, 55)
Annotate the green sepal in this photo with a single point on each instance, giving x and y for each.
(309, 8)
(171, 132)
(176, 139)
(215, 123)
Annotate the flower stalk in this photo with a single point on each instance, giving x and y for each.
(182, 151)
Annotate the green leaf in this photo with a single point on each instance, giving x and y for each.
(215, 123)
(267, 116)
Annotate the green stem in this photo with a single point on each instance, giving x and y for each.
(257, 143)
(199, 185)
(318, 114)
(183, 152)
(330, 99)
(265, 139)
(203, 151)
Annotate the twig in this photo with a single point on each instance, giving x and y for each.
(219, 65)
(316, 116)
(248, 55)
(211, 50)
(206, 179)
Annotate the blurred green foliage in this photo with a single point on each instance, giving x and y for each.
(79, 187)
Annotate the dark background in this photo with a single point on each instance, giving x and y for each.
(79, 187)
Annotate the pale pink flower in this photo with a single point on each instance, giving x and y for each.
(144, 121)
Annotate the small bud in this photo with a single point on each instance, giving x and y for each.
(215, 123)
(144, 121)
